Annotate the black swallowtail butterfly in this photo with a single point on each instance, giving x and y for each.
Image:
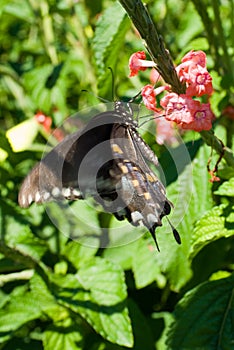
(108, 161)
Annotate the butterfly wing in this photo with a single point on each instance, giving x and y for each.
(70, 170)
(141, 192)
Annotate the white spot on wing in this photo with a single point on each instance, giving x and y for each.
(66, 192)
(55, 192)
(37, 196)
(152, 219)
(23, 200)
(30, 199)
(136, 216)
(46, 196)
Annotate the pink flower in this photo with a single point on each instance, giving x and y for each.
(138, 62)
(187, 113)
(149, 96)
(154, 76)
(198, 81)
(202, 117)
(177, 108)
(182, 109)
(195, 57)
(193, 72)
(165, 132)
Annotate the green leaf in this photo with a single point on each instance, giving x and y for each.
(35, 84)
(145, 266)
(226, 172)
(121, 255)
(46, 299)
(191, 196)
(78, 221)
(203, 319)
(59, 337)
(107, 44)
(143, 335)
(18, 311)
(213, 225)
(226, 189)
(105, 280)
(22, 135)
(21, 10)
(78, 254)
(20, 237)
(98, 294)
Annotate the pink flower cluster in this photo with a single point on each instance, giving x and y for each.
(182, 109)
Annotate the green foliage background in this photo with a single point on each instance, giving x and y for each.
(57, 294)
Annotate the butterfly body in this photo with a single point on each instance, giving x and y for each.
(108, 161)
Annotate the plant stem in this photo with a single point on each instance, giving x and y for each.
(154, 44)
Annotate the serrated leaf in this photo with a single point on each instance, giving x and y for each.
(19, 236)
(105, 280)
(107, 42)
(212, 226)
(103, 303)
(226, 189)
(145, 266)
(20, 310)
(108, 291)
(46, 299)
(191, 196)
(62, 338)
(203, 319)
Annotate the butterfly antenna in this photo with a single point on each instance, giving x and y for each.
(134, 97)
(100, 98)
(152, 118)
(175, 232)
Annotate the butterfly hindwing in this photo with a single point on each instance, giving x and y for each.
(141, 190)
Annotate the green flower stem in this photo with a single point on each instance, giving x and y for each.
(154, 44)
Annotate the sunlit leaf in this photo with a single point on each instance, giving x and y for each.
(213, 225)
(22, 135)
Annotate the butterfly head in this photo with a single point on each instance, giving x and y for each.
(126, 111)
